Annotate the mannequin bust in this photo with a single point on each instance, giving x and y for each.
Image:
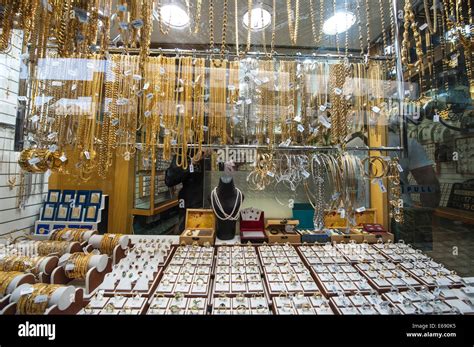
(226, 201)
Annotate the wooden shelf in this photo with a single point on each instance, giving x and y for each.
(454, 214)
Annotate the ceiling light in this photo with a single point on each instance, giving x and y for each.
(339, 23)
(173, 16)
(261, 19)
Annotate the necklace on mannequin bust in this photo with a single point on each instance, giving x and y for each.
(234, 215)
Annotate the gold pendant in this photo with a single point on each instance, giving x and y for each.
(12, 182)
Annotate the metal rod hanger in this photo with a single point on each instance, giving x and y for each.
(293, 148)
(216, 53)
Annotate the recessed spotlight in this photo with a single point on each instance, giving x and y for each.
(261, 19)
(339, 23)
(173, 16)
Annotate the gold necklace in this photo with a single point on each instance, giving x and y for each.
(293, 20)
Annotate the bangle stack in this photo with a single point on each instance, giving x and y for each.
(108, 243)
(6, 278)
(38, 301)
(80, 265)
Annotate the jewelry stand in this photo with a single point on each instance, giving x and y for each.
(94, 277)
(119, 250)
(64, 301)
(227, 196)
(46, 267)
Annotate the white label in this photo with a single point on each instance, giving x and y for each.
(149, 96)
(63, 158)
(342, 212)
(87, 155)
(379, 182)
(300, 128)
(35, 118)
(271, 174)
(305, 174)
(146, 85)
(27, 291)
(297, 119)
(338, 91)
(436, 118)
(139, 146)
(248, 101)
(57, 84)
(34, 161)
(191, 168)
(147, 114)
(22, 98)
(323, 108)
(335, 196)
(137, 77)
(399, 167)
(360, 209)
(324, 121)
(41, 298)
(376, 109)
(205, 128)
(424, 26)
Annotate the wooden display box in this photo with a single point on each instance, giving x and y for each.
(348, 237)
(333, 220)
(282, 231)
(200, 227)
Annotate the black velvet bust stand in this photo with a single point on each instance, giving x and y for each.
(227, 195)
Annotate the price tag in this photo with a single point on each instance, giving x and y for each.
(34, 161)
(137, 77)
(41, 298)
(56, 83)
(424, 26)
(87, 155)
(271, 174)
(376, 109)
(146, 85)
(338, 91)
(297, 119)
(360, 209)
(191, 168)
(379, 182)
(26, 291)
(173, 142)
(248, 101)
(205, 128)
(335, 196)
(63, 158)
(53, 148)
(149, 96)
(139, 146)
(323, 108)
(22, 98)
(436, 118)
(35, 118)
(342, 212)
(147, 114)
(399, 167)
(300, 128)
(162, 71)
(324, 121)
(305, 174)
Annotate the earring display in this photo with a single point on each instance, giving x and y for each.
(177, 305)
